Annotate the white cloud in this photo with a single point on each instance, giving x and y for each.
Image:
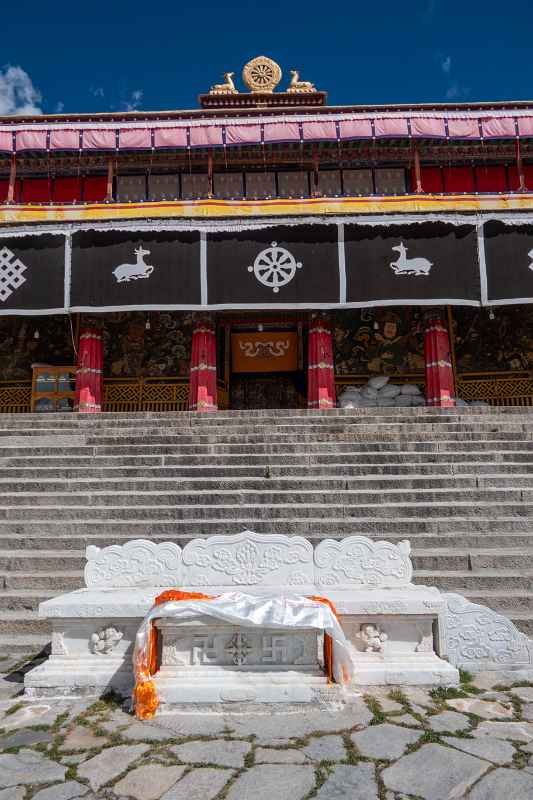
(96, 91)
(60, 106)
(18, 95)
(446, 64)
(457, 92)
(134, 101)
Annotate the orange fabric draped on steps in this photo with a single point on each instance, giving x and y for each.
(145, 698)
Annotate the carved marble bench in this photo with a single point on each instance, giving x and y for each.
(399, 631)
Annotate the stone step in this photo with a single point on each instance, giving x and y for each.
(18, 476)
(157, 513)
(207, 497)
(25, 645)
(459, 580)
(270, 482)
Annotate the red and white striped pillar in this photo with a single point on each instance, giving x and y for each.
(320, 370)
(89, 375)
(203, 377)
(440, 383)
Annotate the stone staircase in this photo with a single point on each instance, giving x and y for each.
(458, 484)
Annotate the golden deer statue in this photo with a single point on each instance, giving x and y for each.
(297, 86)
(224, 88)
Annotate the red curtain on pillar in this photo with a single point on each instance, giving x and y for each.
(89, 373)
(439, 372)
(320, 371)
(203, 378)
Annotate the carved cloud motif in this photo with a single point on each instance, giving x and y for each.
(358, 561)
(136, 563)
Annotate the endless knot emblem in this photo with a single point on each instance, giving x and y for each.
(239, 648)
(275, 266)
(11, 269)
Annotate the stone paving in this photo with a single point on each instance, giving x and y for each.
(475, 742)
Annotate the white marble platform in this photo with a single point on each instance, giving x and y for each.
(400, 633)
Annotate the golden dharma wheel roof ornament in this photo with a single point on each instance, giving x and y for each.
(261, 75)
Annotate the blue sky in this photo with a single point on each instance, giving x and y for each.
(93, 57)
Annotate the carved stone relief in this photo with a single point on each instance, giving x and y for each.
(59, 647)
(359, 562)
(475, 637)
(249, 559)
(105, 640)
(136, 563)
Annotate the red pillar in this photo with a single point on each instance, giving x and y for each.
(203, 377)
(89, 373)
(439, 372)
(320, 370)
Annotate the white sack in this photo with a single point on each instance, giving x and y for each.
(378, 381)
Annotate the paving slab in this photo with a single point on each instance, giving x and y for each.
(517, 731)
(82, 738)
(25, 766)
(325, 748)
(13, 793)
(434, 772)
(62, 791)
(287, 755)
(483, 708)
(416, 695)
(524, 693)
(504, 783)
(25, 738)
(527, 712)
(486, 680)
(110, 763)
(268, 781)
(385, 741)
(148, 782)
(200, 784)
(193, 724)
(406, 719)
(141, 731)
(495, 750)
(220, 752)
(347, 782)
(278, 728)
(448, 722)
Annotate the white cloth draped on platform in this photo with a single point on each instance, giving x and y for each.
(266, 611)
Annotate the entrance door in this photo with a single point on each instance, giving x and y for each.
(266, 365)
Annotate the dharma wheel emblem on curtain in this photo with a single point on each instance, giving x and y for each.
(275, 266)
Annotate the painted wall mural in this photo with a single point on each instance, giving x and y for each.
(19, 348)
(504, 343)
(130, 350)
(386, 341)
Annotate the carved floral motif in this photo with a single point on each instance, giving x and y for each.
(477, 637)
(358, 561)
(246, 559)
(136, 563)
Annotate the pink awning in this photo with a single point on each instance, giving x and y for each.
(355, 129)
(428, 127)
(463, 128)
(498, 128)
(6, 141)
(391, 126)
(64, 139)
(243, 134)
(206, 136)
(170, 137)
(99, 139)
(31, 140)
(525, 126)
(325, 130)
(135, 138)
(281, 132)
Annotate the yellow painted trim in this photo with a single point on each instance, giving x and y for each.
(197, 209)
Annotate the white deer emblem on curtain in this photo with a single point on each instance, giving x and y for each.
(409, 266)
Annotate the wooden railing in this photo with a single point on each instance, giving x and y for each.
(145, 394)
(497, 389)
(15, 397)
